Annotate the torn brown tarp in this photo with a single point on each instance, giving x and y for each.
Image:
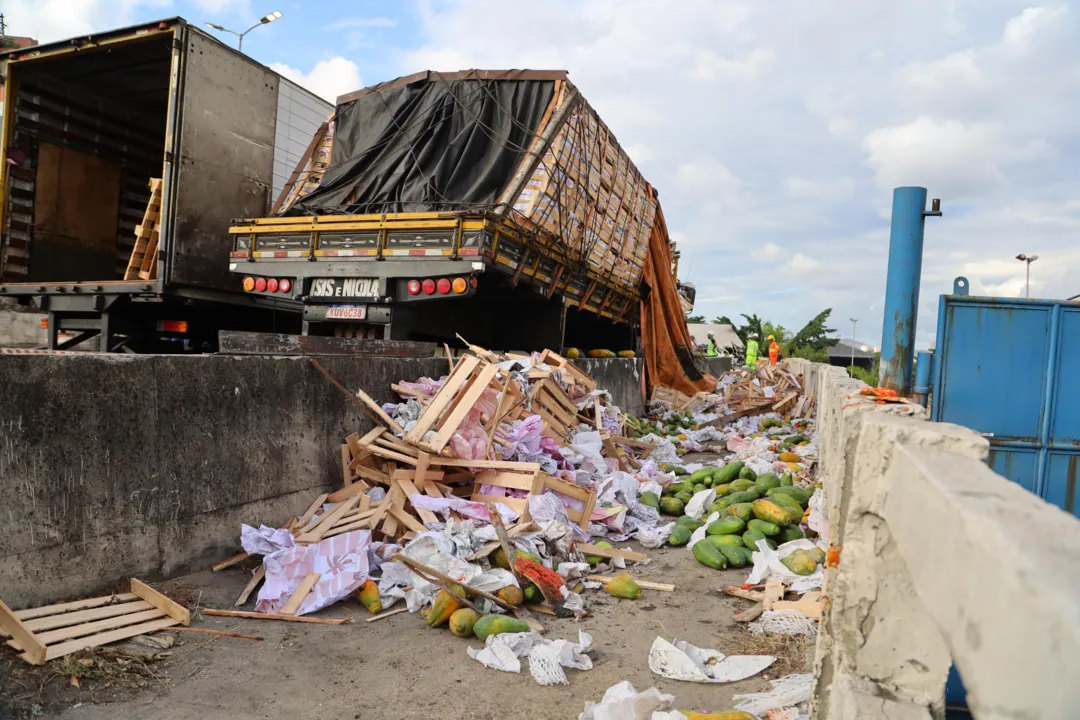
(669, 358)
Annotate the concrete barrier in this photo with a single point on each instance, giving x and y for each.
(114, 466)
(936, 559)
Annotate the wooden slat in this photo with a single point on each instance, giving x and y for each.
(229, 562)
(518, 505)
(107, 637)
(327, 520)
(644, 584)
(379, 412)
(464, 405)
(274, 616)
(561, 486)
(485, 464)
(630, 555)
(31, 613)
(74, 618)
(401, 477)
(302, 591)
(446, 394)
(516, 481)
(158, 600)
(407, 520)
(54, 636)
(312, 509)
(35, 652)
(252, 584)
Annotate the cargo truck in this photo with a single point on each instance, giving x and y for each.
(88, 123)
(492, 204)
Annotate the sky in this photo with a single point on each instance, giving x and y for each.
(774, 132)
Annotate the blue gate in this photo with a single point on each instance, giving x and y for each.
(1010, 369)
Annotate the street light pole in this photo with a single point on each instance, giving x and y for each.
(264, 20)
(1027, 260)
(853, 321)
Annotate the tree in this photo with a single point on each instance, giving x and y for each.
(695, 319)
(815, 334)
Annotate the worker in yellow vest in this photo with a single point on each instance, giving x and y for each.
(711, 350)
(751, 351)
(774, 351)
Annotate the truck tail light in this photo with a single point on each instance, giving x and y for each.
(284, 285)
(474, 281)
(260, 284)
(460, 285)
(173, 326)
(272, 284)
(249, 283)
(428, 286)
(414, 287)
(444, 286)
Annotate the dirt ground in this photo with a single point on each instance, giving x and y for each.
(397, 668)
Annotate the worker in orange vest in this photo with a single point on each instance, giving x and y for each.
(774, 351)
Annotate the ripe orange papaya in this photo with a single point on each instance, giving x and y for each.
(769, 511)
(511, 595)
(444, 606)
(368, 595)
(462, 622)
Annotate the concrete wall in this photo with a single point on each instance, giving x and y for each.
(937, 559)
(114, 466)
(20, 329)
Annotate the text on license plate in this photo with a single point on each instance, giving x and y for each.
(346, 312)
(344, 287)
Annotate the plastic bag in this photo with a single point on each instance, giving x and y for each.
(623, 702)
(767, 565)
(682, 661)
(785, 692)
(701, 500)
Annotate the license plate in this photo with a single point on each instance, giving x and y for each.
(345, 288)
(346, 312)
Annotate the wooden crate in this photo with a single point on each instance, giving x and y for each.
(447, 410)
(46, 633)
(143, 260)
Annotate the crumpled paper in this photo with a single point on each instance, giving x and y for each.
(699, 534)
(265, 540)
(622, 702)
(785, 692)
(767, 565)
(342, 564)
(697, 505)
(503, 652)
(819, 516)
(465, 508)
(683, 661)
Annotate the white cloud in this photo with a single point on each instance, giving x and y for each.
(354, 23)
(328, 79)
(827, 190)
(51, 20)
(769, 251)
(801, 264)
(707, 177)
(220, 7)
(1022, 30)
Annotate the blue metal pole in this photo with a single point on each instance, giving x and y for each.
(902, 288)
(921, 391)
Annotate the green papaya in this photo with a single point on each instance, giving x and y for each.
(722, 490)
(766, 528)
(689, 522)
(684, 497)
(728, 472)
(747, 473)
(799, 494)
(742, 497)
(650, 499)
(700, 487)
(743, 511)
(532, 594)
(498, 558)
(596, 559)
(786, 480)
(726, 526)
(816, 554)
(497, 624)
(734, 557)
(718, 507)
(682, 486)
(708, 482)
(798, 562)
(796, 439)
(671, 506)
(741, 484)
(680, 535)
(719, 540)
(791, 532)
(707, 554)
(766, 482)
(750, 538)
(787, 501)
(699, 475)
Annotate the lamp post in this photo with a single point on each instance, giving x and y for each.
(264, 20)
(853, 322)
(1027, 260)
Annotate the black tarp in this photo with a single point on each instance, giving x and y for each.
(430, 144)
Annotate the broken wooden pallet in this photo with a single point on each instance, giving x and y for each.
(552, 404)
(552, 359)
(46, 633)
(448, 409)
(143, 260)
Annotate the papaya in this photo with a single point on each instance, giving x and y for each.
(533, 594)
(462, 622)
(816, 554)
(623, 586)
(699, 475)
(719, 540)
(718, 506)
(747, 473)
(671, 506)
(689, 522)
(511, 595)
(596, 559)
(766, 482)
(739, 510)
(681, 486)
(769, 423)
(601, 354)
(708, 482)
(496, 625)
(769, 511)
(721, 490)
(498, 558)
(684, 497)
(766, 528)
(700, 487)
(650, 499)
(726, 526)
(368, 595)
(707, 554)
(799, 562)
(573, 353)
(445, 605)
(787, 501)
(680, 535)
(742, 497)
(800, 495)
(626, 353)
(728, 472)
(750, 538)
(741, 485)
(733, 555)
(791, 532)
(790, 457)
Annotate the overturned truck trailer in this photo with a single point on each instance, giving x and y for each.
(494, 204)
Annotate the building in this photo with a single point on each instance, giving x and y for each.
(847, 351)
(725, 335)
